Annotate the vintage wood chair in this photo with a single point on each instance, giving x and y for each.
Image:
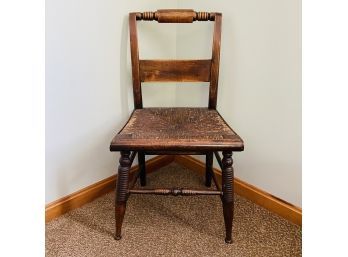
(176, 130)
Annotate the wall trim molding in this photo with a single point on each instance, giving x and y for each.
(268, 201)
(89, 193)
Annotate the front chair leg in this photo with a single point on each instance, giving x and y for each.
(228, 194)
(121, 191)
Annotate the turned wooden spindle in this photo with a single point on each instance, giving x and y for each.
(175, 16)
(205, 16)
(228, 194)
(122, 190)
(174, 191)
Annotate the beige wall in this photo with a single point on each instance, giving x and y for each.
(259, 86)
(89, 97)
(88, 86)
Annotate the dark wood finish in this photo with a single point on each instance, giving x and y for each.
(142, 171)
(132, 156)
(176, 130)
(122, 191)
(166, 152)
(215, 62)
(133, 35)
(175, 191)
(208, 169)
(175, 16)
(228, 196)
(175, 70)
(218, 158)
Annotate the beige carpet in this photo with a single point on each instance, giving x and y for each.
(171, 226)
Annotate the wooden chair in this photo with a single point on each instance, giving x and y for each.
(176, 130)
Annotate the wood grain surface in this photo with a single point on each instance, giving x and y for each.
(175, 16)
(175, 70)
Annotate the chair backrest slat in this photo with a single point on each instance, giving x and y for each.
(175, 70)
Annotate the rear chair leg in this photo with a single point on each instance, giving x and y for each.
(141, 161)
(208, 169)
(228, 194)
(121, 191)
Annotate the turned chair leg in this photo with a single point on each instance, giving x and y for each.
(208, 169)
(121, 191)
(141, 161)
(228, 194)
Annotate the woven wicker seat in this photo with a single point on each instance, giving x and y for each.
(175, 128)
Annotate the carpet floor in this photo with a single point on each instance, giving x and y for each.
(172, 226)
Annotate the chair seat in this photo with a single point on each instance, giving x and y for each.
(176, 129)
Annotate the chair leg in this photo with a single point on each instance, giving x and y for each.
(208, 169)
(121, 191)
(228, 193)
(141, 161)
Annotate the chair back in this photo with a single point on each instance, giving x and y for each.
(175, 70)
